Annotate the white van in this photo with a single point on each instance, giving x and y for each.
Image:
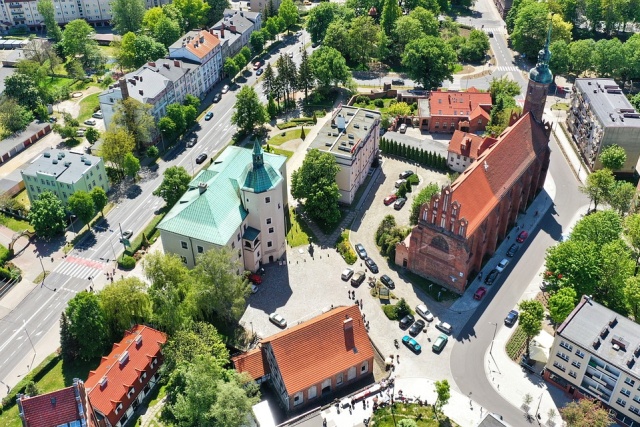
(403, 128)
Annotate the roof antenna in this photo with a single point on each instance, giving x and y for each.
(486, 166)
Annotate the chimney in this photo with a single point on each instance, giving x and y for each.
(140, 78)
(201, 39)
(132, 81)
(222, 31)
(141, 92)
(167, 66)
(211, 31)
(202, 187)
(123, 88)
(486, 166)
(176, 63)
(152, 64)
(136, 77)
(349, 338)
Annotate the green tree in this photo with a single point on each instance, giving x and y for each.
(363, 33)
(87, 325)
(47, 215)
(249, 112)
(329, 68)
(580, 56)
(14, 117)
(531, 315)
(193, 12)
(77, 42)
(305, 82)
(198, 339)
(586, 413)
(599, 185)
(175, 183)
(231, 68)
(315, 181)
(530, 29)
(289, 13)
(81, 204)
(191, 100)
(503, 87)
(337, 37)
(621, 197)
(616, 266)
(99, 198)
(216, 9)
(608, 58)
(475, 47)
(632, 235)
(272, 109)
(428, 21)
(136, 50)
(319, 19)
(23, 90)
(390, 14)
(92, 135)
(166, 126)
(429, 61)
(68, 344)
(257, 42)
(424, 196)
(576, 263)
(74, 69)
(613, 157)
(271, 27)
(175, 112)
(48, 12)
(561, 304)
(126, 15)
(166, 31)
(600, 228)
(560, 57)
(632, 296)
(135, 117)
(124, 303)
(131, 165)
(219, 292)
(443, 391)
(245, 54)
(116, 144)
(31, 389)
(406, 29)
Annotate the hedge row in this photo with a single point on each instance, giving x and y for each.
(4, 255)
(425, 158)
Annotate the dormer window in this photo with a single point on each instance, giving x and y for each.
(131, 391)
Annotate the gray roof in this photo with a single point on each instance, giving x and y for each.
(492, 420)
(8, 144)
(342, 134)
(251, 16)
(145, 84)
(597, 328)
(172, 69)
(237, 19)
(66, 166)
(608, 102)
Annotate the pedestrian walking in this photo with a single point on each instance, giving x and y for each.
(360, 302)
(398, 359)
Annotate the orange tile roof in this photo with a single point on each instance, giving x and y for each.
(120, 377)
(478, 189)
(253, 362)
(203, 43)
(457, 104)
(480, 111)
(318, 349)
(56, 408)
(471, 142)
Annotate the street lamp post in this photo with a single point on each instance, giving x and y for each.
(495, 329)
(44, 273)
(24, 325)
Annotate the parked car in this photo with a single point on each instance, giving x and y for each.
(216, 97)
(126, 235)
(406, 321)
(362, 253)
(358, 278)
(403, 128)
(390, 199)
(400, 182)
(411, 343)
(257, 65)
(439, 343)
(480, 293)
(208, 116)
(278, 320)
(502, 265)
(97, 114)
(522, 236)
(259, 71)
(491, 277)
(405, 174)
(512, 250)
(254, 289)
(291, 54)
(254, 278)
(225, 89)
(397, 82)
(371, 264)
(387, 281)
(444, 327)
(512, 318)
(490, 33)
(201, 158)
(90, 122)
(346, 274)
(399, 203)
(417, 327)
(192, 141)
(80, 132)
(423, 311)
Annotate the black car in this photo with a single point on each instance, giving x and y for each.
(259, 72)
(490, 33)
(387, 281)
(512, 250)
(511, 318)
(371, 264)
(362, 253)
(406, 321)
(201, 158)
(397, 82)
(406, 174)
(216, 97)
(192, 141)
(416, 327)
(491, 277)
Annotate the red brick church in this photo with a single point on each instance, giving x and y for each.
(463, 225)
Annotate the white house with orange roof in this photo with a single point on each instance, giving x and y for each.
(200, 47)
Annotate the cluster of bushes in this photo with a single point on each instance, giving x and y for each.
(517, 343)
(406, 186)
(425, 158)
(388, 235)
(8, 271)
(345, 249)
(4, 255)
(127, 262)
(297, 122)
(398, 310)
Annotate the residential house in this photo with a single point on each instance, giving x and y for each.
(183, 75)
(352, 136)
(123, 379)
(234, 30)
(63, 173)
(596, 354)
(65, 407)
(465, 148)
(200, 47)
(290, 359)
(448, 111)
(239, 202)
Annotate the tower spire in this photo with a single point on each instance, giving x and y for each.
(540, 77)
(258, 154)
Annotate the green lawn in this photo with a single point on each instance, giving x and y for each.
(23, 198)
(14, 224)
(282, 152)
(283, 137)
(422, 415)
(560, 106)
(59, 82)
(88, 106)
(297, 231)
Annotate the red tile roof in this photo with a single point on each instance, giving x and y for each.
(55, 408)
(121, 376)
(253, 362)
(313, 351)
(482, 185)
(465, 144)
(458, 104)
(480, 111)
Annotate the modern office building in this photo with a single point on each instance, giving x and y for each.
(601, 115)
(352, 136)
(63, 173)
(239, 202)
(596, 354)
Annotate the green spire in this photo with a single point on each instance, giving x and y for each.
(541, 72)
(258, 154)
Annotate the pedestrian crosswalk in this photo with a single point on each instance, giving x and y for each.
(495, 30)
(80, 267)
(506, 68)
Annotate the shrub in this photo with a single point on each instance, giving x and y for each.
(402, 308)
(4, 255)
(345, 249)
(413, 180)
(153, 152)
(390, 311)
(127, 262)
(286, 125)
(361, 99)
(378, 103)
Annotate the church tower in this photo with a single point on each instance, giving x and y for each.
(540, 78)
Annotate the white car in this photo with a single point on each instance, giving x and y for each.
(278, 320)
(403, 128)
(502, 265)
(225, 89)
(90, 122)
(400, 182)
(97, 114)
(346, 274)
(445, 327)
(423, 311)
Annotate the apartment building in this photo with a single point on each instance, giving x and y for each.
(201, 47)
(596, 354)
(601, 115)
(261, 5)
(63, 173)
(25, 12)
(234, 30)
(353, 138)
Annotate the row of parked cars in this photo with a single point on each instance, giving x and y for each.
(414, 327)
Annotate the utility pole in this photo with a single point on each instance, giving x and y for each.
(44, 273)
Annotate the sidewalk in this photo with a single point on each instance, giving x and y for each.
(567, 146)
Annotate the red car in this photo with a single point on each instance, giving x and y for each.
(255, 279)
(522, 236)
(390, 199)
(480, 293)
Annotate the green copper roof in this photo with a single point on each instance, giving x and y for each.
(214, 213)
(541, 72)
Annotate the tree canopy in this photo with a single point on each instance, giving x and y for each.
(613, 157)
(429, 61)
(47, 215)
(329, 67)
(87, 325)
(127, 15)
(249, 111)
(81, 204)
(175, 183)
(531, 315)
(124, 303)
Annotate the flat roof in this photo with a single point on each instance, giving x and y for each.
(608, 102)
(597, 328)
(349, 125)
(65, 166)
(8, 144)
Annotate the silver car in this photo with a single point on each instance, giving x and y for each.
(423, 311)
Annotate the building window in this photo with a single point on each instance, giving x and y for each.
(184, 259)
(636, 398)
(200, 249)
(351, 373)
(562, 356)
(184, 245)
(297, 398)
(572, 374)
(131, 391)
(364, 368)
(270, 229)
(437, 125)
(339, 379)
(268, 221)
(621, 402)
(625, 392)
(634, 410)
(576, 363)
(566, 345)
(579, 353)
(559, 366)
(267, 199)
(269, 244)
(629, 381)
(312, 393)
